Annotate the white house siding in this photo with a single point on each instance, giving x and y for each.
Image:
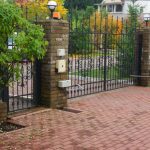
(142, 3)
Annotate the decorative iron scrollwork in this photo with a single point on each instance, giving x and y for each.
(25, 74)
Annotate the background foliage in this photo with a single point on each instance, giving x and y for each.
(126, 63)
(101, 23)
(39, 8)
(78, 4)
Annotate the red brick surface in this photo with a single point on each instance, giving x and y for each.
(115, 120)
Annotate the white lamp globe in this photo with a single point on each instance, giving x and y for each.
(52, 5)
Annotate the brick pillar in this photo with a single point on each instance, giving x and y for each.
(137, 59)
(56, 33)
(145, 62)
(3, 111)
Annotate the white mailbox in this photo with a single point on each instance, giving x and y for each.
(60, 52)
(64, 83)
(61, 66)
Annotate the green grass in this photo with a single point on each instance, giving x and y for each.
(93, 54)
(112, 73)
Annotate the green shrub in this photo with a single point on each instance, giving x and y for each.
(28, 42)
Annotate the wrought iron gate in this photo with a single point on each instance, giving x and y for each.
(23, 92)
(101, 53)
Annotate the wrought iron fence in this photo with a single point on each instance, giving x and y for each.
(34, 15)
(101, 52)
(101, 56)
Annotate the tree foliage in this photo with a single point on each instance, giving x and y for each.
(100, 23)
(88, 28)
(27, 40)
(78, 4)
(80, 30)
(127, 42)
(39, 8)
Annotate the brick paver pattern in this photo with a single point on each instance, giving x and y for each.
(114, 120)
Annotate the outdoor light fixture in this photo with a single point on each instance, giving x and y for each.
(51, 6)
(146, 18)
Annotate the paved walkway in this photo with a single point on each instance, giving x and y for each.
(115, 120)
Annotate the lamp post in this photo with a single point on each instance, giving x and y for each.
(51, 6)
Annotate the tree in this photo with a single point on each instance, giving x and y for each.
(127, 42)
(101, 23)
(78, 4)
(28, 41)
(79, 38)
(39, 8)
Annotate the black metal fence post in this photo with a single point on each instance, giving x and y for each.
(105, 60)
(37, 82)
(105, 52)
(5, 96)
(138, 54)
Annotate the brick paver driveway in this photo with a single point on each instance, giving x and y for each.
(115, 120)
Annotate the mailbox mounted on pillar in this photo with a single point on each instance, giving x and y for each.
(60, 66)
(64, 83)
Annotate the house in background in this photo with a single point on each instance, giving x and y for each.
(120, 7)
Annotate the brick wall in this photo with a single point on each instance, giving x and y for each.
(56, 33)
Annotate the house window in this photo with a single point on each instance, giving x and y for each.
(118, 8)
(10, 43)
(110, 8)
(104, 7)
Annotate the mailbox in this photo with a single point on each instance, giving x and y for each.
(64, 83)
(61, 66)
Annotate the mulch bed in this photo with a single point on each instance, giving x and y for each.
(8, 126)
